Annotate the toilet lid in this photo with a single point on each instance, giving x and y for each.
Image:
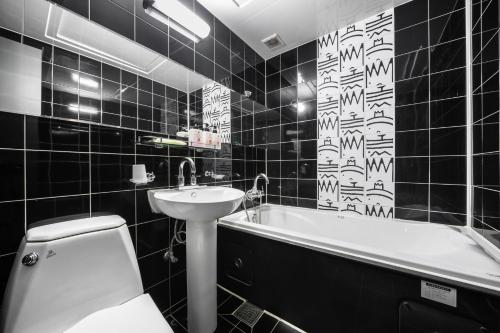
(138, 315)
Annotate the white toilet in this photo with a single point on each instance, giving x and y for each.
(79, 275)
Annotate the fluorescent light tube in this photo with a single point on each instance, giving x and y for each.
(178, 17)
(87, 82)
(84, 109)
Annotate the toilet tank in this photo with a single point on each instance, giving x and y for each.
(84, 265)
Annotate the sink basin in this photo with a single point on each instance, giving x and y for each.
(200, 206)
(198, 203)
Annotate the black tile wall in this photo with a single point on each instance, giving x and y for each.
(430, 115)
(222, 56)
(288, 128)
(430, 111)
(486, 129)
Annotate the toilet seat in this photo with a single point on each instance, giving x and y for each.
(138, 315)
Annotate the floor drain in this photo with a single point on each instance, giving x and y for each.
(248, 313)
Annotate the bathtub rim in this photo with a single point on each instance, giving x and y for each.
(427, 272)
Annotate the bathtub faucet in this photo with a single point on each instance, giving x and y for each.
(254, 193)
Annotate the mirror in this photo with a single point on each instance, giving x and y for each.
(90, 73)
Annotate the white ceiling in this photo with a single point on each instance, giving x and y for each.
(296, 21)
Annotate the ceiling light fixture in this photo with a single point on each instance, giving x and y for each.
(241, 3)
(178, 17)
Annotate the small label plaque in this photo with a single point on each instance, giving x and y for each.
(438, 293)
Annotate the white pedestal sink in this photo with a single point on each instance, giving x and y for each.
(200, 207)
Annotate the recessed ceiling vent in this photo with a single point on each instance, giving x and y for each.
(273, 42)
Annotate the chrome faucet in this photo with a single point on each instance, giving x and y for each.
(180, 177)
(254, 193)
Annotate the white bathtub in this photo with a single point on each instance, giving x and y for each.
(429, 250)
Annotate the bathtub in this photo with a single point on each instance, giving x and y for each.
(441, 252)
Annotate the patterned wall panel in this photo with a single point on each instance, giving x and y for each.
(356, 118)
(217, 109)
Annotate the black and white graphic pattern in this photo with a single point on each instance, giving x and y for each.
(217, 109)
(356, 118)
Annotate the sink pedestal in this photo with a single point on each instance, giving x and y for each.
(201, 262)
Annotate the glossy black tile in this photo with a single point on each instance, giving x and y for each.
(411, 214)
(412, 91)
(411, 64)
(222, 33)
(41, 209)
(237, 46)
(448, 141)
(204, 66)
(447, 198)
(113, 17)
(51, 174)
(112, 140)
(447, 84)
(111, 172)
(307, 130)
(448, 170)
(288, 77)
(11, 130)
(51, 134)
(222, 55)
(128, 79)
(110, 73)
(288, 59)
(12, 227)
(447, 28)
(65, 58)
(447, 218)
(180, 53)
(411, 39)
(449, 112)
(412, 117)
(12, 165)
(411, 196)
(412, 170)
(79, 7)
(120, 203)
(273, 65)
(447, 56)
(412, 143)
(410, 13)
(151, 37)
(438, 8)
(307, 52)
(90, 66)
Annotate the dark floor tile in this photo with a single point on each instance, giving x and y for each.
(265, 324)
(223, 326)
(229, 306)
